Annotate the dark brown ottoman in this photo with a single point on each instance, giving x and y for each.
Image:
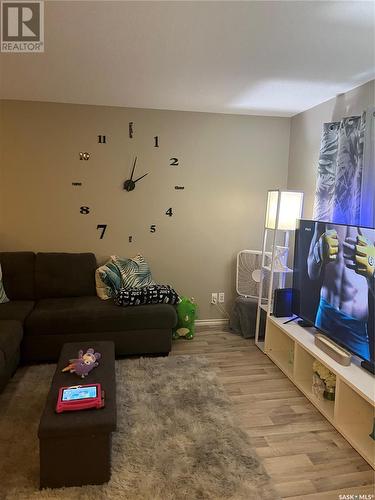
(75, 447)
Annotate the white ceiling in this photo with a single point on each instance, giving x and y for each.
(268, 58)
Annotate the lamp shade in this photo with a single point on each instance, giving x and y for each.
(271, 214)
(283, 209)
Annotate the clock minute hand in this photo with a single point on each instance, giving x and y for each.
(135, 161)
(139, 178)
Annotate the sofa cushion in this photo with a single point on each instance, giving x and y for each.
(135, 272)
(18, 275)
(10, 337)
(108, 280)
(153, 294)
(16, 310)
(64, 275)
(90, 314)
(3, 295)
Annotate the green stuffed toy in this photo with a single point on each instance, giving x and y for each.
(186, 312)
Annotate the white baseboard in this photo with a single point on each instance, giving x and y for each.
(211, 322)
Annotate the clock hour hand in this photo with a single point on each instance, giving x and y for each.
(139, 178)
(135, 161)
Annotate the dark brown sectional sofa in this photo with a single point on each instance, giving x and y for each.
(53, 300)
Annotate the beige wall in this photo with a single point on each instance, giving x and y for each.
(305, 133)
(227, 164)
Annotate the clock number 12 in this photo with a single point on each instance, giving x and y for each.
(103, 227)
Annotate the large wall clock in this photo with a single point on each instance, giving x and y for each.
(133, 181)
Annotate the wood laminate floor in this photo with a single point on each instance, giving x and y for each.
(301, 451)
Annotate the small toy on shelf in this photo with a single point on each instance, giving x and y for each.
(83, 365)
(328, 380)
(186, 312)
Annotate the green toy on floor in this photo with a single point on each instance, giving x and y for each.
(186, 312)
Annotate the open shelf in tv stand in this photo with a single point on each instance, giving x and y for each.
(293, 350)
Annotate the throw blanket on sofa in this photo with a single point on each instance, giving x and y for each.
(153, 294)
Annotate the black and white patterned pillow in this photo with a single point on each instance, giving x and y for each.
(153, 294)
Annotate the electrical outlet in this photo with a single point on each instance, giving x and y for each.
(221, 297)
(213, 298)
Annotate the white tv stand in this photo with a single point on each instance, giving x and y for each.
(292, 348)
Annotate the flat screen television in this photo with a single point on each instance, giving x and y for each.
(333, 283)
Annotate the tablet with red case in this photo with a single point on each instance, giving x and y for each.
(79, 397)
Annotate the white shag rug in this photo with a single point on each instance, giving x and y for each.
(176, 438)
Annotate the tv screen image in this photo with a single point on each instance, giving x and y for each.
(333, 282)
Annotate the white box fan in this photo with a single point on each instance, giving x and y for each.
(249, 263)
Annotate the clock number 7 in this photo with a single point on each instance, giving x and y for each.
(103, 227)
